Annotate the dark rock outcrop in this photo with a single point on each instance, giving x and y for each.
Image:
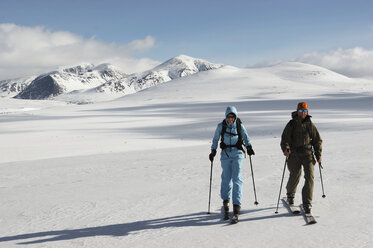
(41, 87)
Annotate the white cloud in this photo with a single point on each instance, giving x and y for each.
(354, 62)
(142, 45)
(32, 50)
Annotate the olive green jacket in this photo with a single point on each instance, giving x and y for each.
(301, 135)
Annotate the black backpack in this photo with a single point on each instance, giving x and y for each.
(239, 143)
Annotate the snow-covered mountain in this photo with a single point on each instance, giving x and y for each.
(104, 78)
(176, 67)
(12, 87)
(66, 80)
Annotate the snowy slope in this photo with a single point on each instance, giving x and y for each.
(284, 81)
(317, 76)
(134, 172)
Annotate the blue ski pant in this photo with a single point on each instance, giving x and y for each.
(231, 177)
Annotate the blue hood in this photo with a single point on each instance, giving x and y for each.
(231, 109)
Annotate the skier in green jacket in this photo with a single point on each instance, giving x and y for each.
(300, 141)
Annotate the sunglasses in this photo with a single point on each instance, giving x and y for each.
(230, 117)
(302, 110)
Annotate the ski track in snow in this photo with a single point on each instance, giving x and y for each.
(135, 173)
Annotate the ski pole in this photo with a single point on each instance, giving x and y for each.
(252, 175)
(282, 180)
(208, 211)
(322, 183)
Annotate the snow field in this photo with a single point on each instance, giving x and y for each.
(134, 172)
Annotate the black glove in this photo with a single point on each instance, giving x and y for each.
(212, 155)
(250, 150)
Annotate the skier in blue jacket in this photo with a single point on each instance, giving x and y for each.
(231, 157)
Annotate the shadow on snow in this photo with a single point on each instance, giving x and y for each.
(189, 220)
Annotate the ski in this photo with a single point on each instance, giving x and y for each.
(291, 207)
(308, 217)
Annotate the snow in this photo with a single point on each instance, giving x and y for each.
(134, 171)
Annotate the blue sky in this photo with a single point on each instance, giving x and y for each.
(239, 33)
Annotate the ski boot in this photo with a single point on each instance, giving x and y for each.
(226, 209)
(290, 199)
(236, 213)
(307, 208)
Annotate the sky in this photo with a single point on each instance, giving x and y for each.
(41, 35)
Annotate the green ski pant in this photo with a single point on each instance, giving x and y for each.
(295, 162)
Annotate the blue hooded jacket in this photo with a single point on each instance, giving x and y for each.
(229, 139)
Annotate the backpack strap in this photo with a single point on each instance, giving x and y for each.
(309, 128)
(240, 140)
(223, 130)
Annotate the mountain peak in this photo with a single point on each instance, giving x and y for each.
(183, 65)
(183, 57)
(79, 69)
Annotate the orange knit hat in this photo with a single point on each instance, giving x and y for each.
(302, 105)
